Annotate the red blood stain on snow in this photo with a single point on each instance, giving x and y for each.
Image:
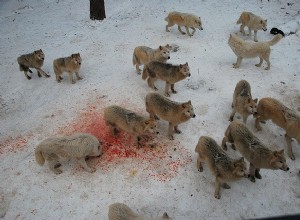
(162, 162)
(13, 144)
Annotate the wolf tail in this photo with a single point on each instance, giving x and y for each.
(240, 20)
(167, 19)
(145, 72)
(275, 39)
(39, 157)
(134, 59)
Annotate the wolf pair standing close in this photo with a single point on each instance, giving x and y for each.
(35, 60)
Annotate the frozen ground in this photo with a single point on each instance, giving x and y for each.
(150, 180)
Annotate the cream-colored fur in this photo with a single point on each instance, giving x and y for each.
(120, 118)
(253, 22)
(247, 49)
(143, 55)
(32, 60)
(242, 101)
(256, 152)
(70, 65)
(77, 146)
(284, 117)
(120, 211)
(220, 164)
(175, 113)
(183, 19)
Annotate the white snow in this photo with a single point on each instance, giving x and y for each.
(149, 180)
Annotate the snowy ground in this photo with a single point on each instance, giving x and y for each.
(150, 180)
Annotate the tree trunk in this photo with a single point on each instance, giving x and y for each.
(97, 10)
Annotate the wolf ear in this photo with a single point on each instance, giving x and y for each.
(160, 47)
(249, 100)
(255, 100)
(78, 54)
(186, 63)
(266, 20)
(147, 122)
(165, 215)
(180, 66)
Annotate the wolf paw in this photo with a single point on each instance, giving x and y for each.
(257, 175)
(177, 131)
(252, 179)
(226, 186)
(79, 78)
(57, 171)
(167, 94)
(171, 137)
(217, 195)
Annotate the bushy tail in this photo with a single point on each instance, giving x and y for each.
(167, 19)
(240, 20)
(275, 39)
(145, 72)
(39, 157)
(134, 59)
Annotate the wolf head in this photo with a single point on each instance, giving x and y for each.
(39, 54)
(184, 69)
(251, 106)
(278, 161)
(262, 24)
(188, 110)
(164, 52)
(76, 58)
(195, 22)
(240, 168)
(150, 126)
(97, 150)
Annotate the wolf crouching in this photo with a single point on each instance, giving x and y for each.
(253, 22)
(246, 49)
(143, 55)
(256, 152)
(70, 65)
(120, 118)
(284, 117)
(242, 101)
(32, 60)
(174, 112)
(77, 146)
(166, 72)
(183, 19)
(219, 163)
(120, 211)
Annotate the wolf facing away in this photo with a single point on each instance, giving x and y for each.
(253, 22)
(219, 163)
(70, 65)
(174, 112)
(120, 211)
(183, 19)
(246, 49)
(284, 117)
(120, 118)
(77, 146)
(256, 152)
(143, 55)
(32, 60)
(242, 101)
(166, 72)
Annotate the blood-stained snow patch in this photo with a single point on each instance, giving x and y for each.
(160, 160)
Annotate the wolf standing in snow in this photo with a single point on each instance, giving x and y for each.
(253, 22)
(77, 146)
(183, 19)
(166, 72)
(246, 49)
(143, 55)
(70, 65)
(120, 211)
(174, 112)
(257, 153)
(242, 101)
(32, 60)
(284, 117)
(219, 163)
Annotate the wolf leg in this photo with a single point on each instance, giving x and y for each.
(199, 164)
(177, 130)
(71, 78)
(194, 29)
(232, 115)
(172, 89)
(188, 31)
(82, 162)
(150, 82)
(217, 188)
(77, 76)
(289, 145)
(252, 173)
(242, 29)
(260, 62)
(39, 70)
(53, 163)
(255, 36)
(167, 88)
(27, 76)
(170, 131)
(179, 28)
(238, 62)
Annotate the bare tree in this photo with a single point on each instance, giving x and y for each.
(97, 10)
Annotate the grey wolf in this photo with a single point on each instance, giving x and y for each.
(183, 19)
(246, 49)
(77, 146)
(166, 72)
(120, 118)
(242, 101)
(69, 64)
(256, 152)
(253, 22)
(174, 112)
(120, 211)
(284, 117)
(219, 163)
(32, 60)
(275, 31)
(143, 55)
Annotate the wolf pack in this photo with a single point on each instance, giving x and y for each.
(155, 67)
